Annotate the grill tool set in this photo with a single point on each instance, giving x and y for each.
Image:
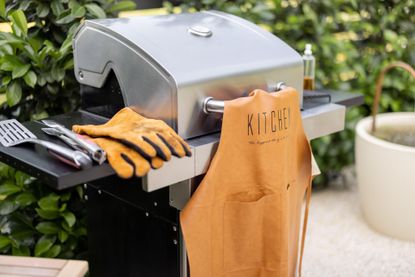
(13, 133)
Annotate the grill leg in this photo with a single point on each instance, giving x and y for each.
(179, 194)
(184, 269)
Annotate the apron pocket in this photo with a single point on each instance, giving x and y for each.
(251, 235)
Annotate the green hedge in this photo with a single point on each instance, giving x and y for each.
(351, 40)
(37, 80)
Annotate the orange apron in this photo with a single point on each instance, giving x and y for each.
(244, 218)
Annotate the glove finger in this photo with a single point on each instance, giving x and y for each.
(93, 130)
(174, 145)
(144, 148)
(122, 167)
(161, 148)
(123, 160)
(114, 149)
(124, 115)
(82, 129)
(140, 164)
(156, 162)
(184, 144)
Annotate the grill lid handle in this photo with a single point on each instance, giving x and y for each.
(200, 31)
(211, 105)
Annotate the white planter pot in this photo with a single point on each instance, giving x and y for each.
(386, 178)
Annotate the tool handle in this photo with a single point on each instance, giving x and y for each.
(74, 158)
(96, 152)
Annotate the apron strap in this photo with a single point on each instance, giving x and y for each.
(308, 196)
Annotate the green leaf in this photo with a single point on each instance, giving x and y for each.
(66, 227)
(122, 6)
(8, 188)
(68, 64)
(6, 65)
(41, 80)
(58, 73)
(14, 93)
(22, 235)
(63, 207)
(3, 8)
(78, 11)
(66, 196)
(7, 207)
(48, 228)
(20, 71)
(6, 49)
(11, 61)
(39, 116)
(95, 10)
(22, 178)
(69, 218)
(35, 43)
(4, 242)
(42, 10)
(4, 170)
(66, 46)
(43, 245)
(6, 80)
(49, 203)
(19, 19)
(53, 251)
(49, 215)
(30, 78)
(25, 199)
(80, 190)
(57, 7)
(24, 5)
(62, 236)
(65, 18)
(21, 251)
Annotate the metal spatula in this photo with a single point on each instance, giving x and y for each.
(12, 133)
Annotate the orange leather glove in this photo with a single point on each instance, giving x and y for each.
(124, 160)
(149, 137)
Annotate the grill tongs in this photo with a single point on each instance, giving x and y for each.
(74, 140)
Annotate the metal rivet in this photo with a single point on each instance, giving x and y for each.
(147, 214)
(99, 191)
(155, 204)
(175, 228)
(86, 197)
(175, 241)
(85, 186)
(81, 74)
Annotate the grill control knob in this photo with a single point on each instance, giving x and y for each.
(200, 31)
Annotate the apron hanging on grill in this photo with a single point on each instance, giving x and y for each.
(244, 218)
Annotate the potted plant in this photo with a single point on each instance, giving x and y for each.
(385, 167)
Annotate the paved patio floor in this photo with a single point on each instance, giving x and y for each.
(340, 243)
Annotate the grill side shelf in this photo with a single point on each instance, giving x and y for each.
(320, 118)
(37, 162)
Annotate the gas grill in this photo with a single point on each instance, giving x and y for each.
(181, 69)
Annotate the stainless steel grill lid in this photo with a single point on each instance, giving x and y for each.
(167, 65)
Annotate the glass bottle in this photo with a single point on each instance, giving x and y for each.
(309, 67)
